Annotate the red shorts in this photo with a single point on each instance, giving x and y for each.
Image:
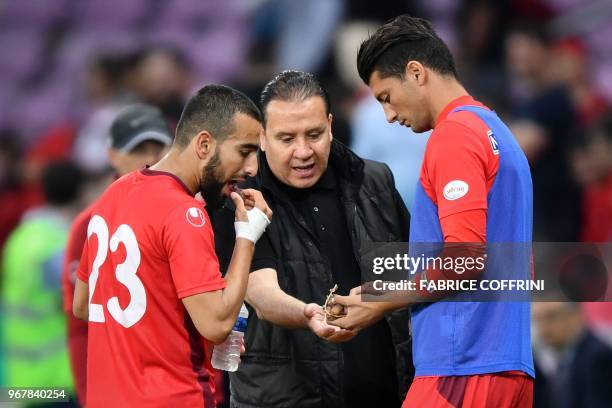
(509, 389)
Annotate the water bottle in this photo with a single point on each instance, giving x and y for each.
(226, 356)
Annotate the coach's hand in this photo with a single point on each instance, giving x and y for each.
(359, 314)
(319, 326)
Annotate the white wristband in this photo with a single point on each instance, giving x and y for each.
(252, 230)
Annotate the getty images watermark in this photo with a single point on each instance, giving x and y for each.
(539, 271)
(448, 266)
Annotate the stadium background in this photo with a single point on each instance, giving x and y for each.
(68, 66)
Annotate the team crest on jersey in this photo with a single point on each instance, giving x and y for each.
(494, 144)
(455, 190)
(195, 217)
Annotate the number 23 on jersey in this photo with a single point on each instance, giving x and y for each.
(125, 273)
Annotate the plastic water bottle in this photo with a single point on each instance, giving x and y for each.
(226, 356)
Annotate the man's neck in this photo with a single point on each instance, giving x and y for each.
(173, 163)
(443, 92)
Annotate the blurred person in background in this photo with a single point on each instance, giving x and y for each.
(158, 76)
(12, 190)
(34, 334)
(544, 124)
(294, 34)
(108, 85)
(545, 121)
(480, 27)
(163, 79)
(570, 66)
(139, 137)
(572, 365)
(21, 168)
(592, 165)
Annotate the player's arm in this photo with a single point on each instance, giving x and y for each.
(459, 230)
(214, 312)
(463, 224)
(272, 304)
(80, 302)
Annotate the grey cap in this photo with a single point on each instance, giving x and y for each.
(138, 123)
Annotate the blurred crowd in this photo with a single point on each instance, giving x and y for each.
(69, 66)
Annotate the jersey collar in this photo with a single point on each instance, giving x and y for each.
(149, 172)
(455, 103)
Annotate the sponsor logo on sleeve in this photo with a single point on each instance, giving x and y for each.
(455, 189)
(195, 217)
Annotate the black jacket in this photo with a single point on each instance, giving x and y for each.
(294, 368)
(587, 384)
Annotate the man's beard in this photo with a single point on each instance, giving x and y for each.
(211, 185)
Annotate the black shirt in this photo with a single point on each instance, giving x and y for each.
(369, 359)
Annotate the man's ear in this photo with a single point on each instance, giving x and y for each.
(204, 143)
(415, 71)
(262, 141)
(112, 157)
(330, 119)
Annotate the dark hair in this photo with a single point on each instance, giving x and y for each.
(213, 109)
(62, 182)
(293, 86)
(399, 41)
(533, 30)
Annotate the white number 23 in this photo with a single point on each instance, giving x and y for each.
(124, 272)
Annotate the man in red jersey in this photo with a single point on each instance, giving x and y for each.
(474, 191)
(139, 136)
(149, 280)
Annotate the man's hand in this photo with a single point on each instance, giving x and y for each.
(319, 326)
(359, 314)
(254, 199)
(250, 224)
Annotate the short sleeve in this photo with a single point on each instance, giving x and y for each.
(189, 242)
(82, 272)
(72, 258)
(457, 166)
(264, 256)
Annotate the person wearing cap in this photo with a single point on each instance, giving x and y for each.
(139, 136)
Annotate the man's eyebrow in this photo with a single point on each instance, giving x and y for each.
(319, 128)
(283, 133)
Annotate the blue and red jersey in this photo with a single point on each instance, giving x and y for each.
(475, 186)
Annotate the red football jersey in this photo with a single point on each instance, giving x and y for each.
(150, 244)
(459, 168)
